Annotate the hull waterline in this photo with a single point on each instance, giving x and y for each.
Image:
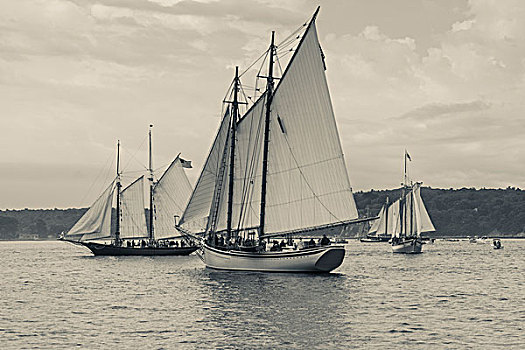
(413, 246)
(109, 250)
(317, 260)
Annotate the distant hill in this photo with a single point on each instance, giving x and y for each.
(455, 212)
(461, 212)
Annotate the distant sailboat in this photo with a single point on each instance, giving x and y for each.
(411, 220)
(383, 227)
(168, 197)
(276, 171)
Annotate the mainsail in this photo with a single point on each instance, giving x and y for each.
(307, 180)
(170, 196)
(308, 183)
(133, 219)
(96, 222)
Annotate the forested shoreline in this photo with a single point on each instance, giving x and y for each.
(455, 212)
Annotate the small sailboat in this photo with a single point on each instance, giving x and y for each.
(278, 170)
(410, 217)
(167, 198)
(383, 227)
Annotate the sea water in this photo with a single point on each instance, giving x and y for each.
(454, 295)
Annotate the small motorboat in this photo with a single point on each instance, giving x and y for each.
(496, 244)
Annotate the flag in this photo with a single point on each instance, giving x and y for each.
(408, 155)
(185, 163)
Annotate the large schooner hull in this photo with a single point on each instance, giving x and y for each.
(410, 246)
(317, 260)
(99, 249)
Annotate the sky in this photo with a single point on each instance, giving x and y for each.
(444, 79)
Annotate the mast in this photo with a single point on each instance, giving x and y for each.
(233, 129)
(269, 97)
(150, 178)
(404, 201)
(119, 185)
(386, 217)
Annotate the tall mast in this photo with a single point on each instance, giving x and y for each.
(269, 97)
(150, 169)
(233, 129)
(386, 218)
(117, 224)
(404, 194)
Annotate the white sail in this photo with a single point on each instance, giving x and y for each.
(96, 222)
(307, 181)
(170, 196)
(394, 219)
(133, 218)
(247, 172)
(195, 217)
(378, 227)
(424, 222)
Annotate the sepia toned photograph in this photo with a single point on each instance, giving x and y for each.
(262, 174)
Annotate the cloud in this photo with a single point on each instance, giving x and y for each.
(445, 79)
(439, 110)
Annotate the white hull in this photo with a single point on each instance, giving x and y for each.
(317, 259)
(410, 246)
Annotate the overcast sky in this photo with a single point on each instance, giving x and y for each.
(444, 79)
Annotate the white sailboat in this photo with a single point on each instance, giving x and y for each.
(276, 171)
(410, 219)
(382, 229)
(168, 198)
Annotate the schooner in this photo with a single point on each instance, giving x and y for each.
(277, 170)
(409, 217)
(167, 199)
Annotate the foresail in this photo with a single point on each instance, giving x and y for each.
(195, 217)
(170, 196)
(96, 222)
(133, 216)
(307, 183)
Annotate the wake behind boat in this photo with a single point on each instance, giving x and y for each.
(168, 196)
(276, 171)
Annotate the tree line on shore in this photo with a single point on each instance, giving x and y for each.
(454, 212)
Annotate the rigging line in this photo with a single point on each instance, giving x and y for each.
(307, 165)
(134, 154)
(173, 200)
(104, 168)
(299, 29)
(248, 170)
(248, 190)
(306, 181)
(265, 53)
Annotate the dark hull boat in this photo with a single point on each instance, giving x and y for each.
(99, 249)
(168, 196)
(375, 239)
